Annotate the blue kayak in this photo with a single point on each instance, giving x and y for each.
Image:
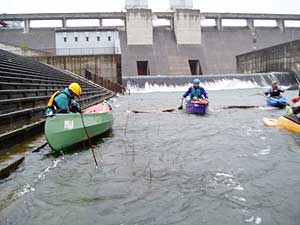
(279, 101)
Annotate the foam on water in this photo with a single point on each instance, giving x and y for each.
(241, 199)
(26, 188)
(253, 219)
(250, 220)
(30, 187)
(258, 220)
(265, 151)
(223, 175)
(239, 188)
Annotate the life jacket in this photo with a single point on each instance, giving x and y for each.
(51, 102)
(275, 91)
(196, 92)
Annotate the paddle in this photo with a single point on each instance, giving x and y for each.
(153, 111)
(89, 139)
(262, 94)
(241, 107)
(181, 105)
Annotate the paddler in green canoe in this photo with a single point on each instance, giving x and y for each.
(64, 101)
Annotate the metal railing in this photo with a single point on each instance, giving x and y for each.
(106, 83)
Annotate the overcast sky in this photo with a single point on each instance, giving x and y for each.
(250, 6)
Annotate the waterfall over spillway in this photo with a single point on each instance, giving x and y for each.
(144, 84)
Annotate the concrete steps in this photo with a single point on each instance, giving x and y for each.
(26, 86)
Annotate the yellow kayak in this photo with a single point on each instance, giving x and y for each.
(287, 122)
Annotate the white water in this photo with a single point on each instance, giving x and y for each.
(222, 84)
(31, 187)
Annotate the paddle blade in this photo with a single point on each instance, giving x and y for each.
(271, 122)
(168, 110)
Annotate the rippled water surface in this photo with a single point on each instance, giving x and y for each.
(159, 168)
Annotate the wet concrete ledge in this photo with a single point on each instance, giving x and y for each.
(10, 166)
(19, 135)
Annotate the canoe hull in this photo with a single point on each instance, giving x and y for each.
(279, 102)
(196, 107)
(65, 130)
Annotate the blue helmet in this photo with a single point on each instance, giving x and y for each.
(196, 81)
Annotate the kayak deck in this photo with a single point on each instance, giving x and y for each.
(286, 122)
(197, 107)
(279, 102)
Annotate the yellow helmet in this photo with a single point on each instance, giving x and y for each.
(75, 88)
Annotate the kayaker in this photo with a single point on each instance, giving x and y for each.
(195, 92)
(64, 101)
(275, 90)
(294, 109)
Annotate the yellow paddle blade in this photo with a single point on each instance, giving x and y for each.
(271, 122)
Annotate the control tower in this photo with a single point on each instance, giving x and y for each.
(187, 26)
(181, 4)
(139, 23)
(136, 4)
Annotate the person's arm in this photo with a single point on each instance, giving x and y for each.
(204, 93)
(280, 89)
(75, 106)
(189, 91)
(268, 92)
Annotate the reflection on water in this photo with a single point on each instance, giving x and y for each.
(166, 168)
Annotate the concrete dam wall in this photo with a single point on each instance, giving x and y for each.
(163, 57)
(283, 57)
(216, 55)
(221, 47)
(39, 38)
(105, 66)
(185, 47)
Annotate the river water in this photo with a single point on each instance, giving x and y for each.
(225, 168)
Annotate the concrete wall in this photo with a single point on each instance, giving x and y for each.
(187, 26)
(139, 27)
(107, 66)
(76, 43)
(216, 53)
(21, 51)
(181, 4)
(140, 4)
(221, 47)
(36, 39)
(165, 57)
(284, 57)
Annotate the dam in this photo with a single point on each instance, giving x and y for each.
(183, 45)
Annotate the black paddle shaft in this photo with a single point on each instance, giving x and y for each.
(89, 139)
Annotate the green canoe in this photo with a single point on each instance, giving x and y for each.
(64, 130)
